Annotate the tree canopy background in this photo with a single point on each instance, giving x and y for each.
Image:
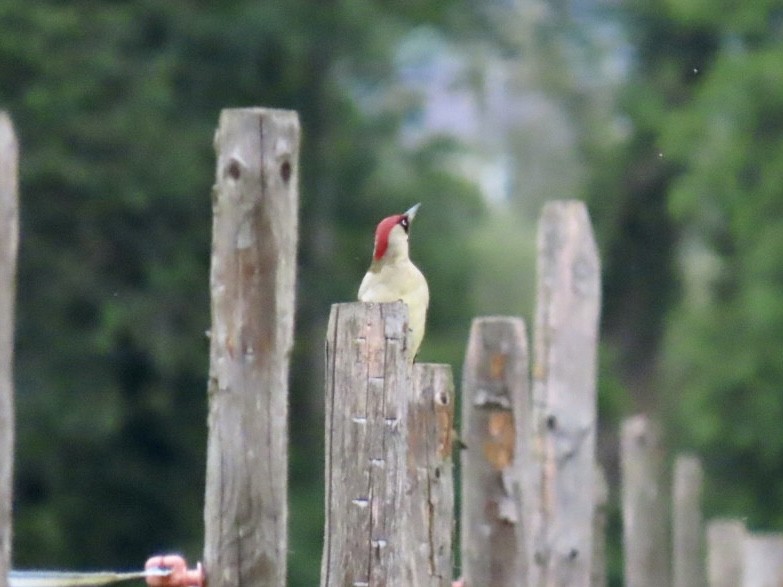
(679, 154)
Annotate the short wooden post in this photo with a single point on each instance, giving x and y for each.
(762, 560)
(643, 504)
(564, 393)
(431, 476)
(600, 519)
(687, 531)
(368, 388)
(9, 241)
(252, 288)
(725, 544)
(495, 431)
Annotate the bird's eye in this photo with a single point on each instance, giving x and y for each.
(404, 223)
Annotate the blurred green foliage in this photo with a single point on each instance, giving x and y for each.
(690, 214)
(722, 356)
(115, 104)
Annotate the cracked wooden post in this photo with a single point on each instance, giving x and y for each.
(495, 431)
(431, 476)
(725, 540)
(255, 201)
(687, 529)
(762, 560)
(9, 242)
(564, 397)
(368, 388)
(645, 511)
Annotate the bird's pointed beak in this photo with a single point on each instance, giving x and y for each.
(411, 214)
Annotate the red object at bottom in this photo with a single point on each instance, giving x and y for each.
(180, 575)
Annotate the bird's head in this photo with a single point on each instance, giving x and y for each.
(391, 235)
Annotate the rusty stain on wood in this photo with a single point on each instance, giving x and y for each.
(497, 365)
(499, 446)
(444, 417)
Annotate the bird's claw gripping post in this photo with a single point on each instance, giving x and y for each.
(180, 575)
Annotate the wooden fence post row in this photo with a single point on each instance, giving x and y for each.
(736, 557)
(534, 499)
(649, 560)
(9, 240)
(529, 468)
(726, 555)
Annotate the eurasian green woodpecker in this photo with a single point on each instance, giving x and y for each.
(392, 276)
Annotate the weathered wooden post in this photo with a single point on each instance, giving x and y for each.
(564, 395)
(725, 543)
(643, 503)
(762, 560)
(431, 476)
(368, 388)
(600, 519)
(687, 530)
(252, 288)
(496, 434)
(9, 241)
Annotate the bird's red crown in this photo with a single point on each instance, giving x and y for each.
(382, 234)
